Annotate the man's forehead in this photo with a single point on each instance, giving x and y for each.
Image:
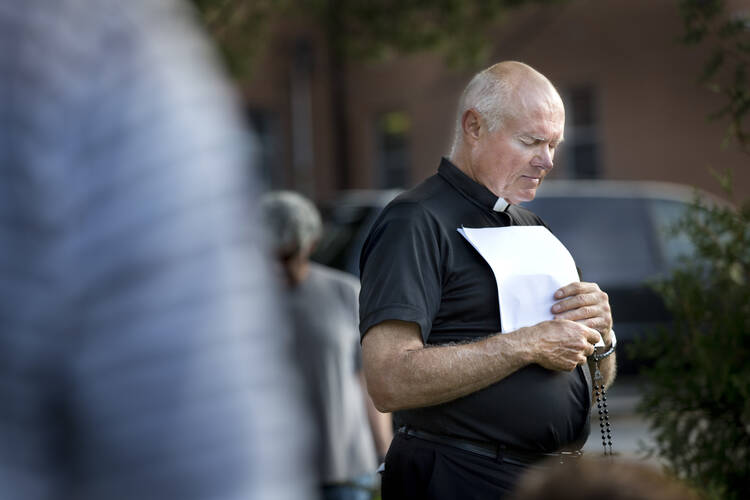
(539, 95)
(543, 124)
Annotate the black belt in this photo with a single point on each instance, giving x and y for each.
(489, 450)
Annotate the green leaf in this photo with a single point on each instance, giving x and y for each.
(713, 65)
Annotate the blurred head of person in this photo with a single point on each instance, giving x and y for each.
(594, 479)
(293, 227)
(510, 120)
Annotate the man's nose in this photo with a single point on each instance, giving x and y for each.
(543, 158)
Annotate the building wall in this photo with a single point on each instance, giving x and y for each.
(651, 113)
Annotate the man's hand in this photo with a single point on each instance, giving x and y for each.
(561, 344)
(585, 303)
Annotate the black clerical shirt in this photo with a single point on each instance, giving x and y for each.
(416, 267)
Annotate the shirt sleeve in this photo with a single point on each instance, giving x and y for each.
(400, 269)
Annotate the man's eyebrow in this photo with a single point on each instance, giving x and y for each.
(540, 138)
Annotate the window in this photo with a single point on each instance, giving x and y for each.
(675, 245)
(581, 148)
(392, 149)
(265, 125)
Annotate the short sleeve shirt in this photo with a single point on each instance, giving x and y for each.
(416, 267)
(323, 310)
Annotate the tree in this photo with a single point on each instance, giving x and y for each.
(697, 396)
(697, 393)
(363, 29)
(359, 30)
(707, 22)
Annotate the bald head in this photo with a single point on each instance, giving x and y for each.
(504, 91)
(509, 124)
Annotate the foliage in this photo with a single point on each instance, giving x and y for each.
(362, 29)
(240, 27)
(697, 393)
(726, 70)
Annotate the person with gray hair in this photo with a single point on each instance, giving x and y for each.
(474, 409)
(322, 304)
(293, 228)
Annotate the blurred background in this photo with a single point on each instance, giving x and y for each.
(361, 94)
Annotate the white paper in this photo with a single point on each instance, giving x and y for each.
(529, 264)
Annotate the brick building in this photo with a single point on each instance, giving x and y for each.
(634, 108)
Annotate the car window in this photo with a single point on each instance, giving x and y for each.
(610, 238)
(341, 225)
(674, 247)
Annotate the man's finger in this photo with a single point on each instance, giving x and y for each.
(575, 288)
(593, 336)
(597, 323)
(574, 302)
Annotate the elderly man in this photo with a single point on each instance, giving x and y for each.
(475, 408)
(322, 305)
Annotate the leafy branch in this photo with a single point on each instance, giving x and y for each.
(362, 29)
(726, 70)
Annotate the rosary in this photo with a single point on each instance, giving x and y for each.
(601, 398)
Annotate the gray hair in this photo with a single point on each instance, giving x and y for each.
(292, 222)
(490, 96)
(492, 92)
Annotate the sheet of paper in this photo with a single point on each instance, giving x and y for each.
(529, 264)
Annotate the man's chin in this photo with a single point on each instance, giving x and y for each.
(523, 196)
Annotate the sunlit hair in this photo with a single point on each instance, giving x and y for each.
(492, 92)
(292, 222)
(490, 95)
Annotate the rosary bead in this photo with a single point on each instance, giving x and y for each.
(601, 404)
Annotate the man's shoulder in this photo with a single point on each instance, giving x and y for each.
(426, 198)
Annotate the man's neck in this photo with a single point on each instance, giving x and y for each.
(463, 163)
(296, 271)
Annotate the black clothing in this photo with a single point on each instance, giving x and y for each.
(491, 450)
(416, 469)
(416, 267)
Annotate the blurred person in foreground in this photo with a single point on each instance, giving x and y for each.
(135, 305)
(475, 408)
(323, 307)
(595, 479)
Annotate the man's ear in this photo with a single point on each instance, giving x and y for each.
(471, 123)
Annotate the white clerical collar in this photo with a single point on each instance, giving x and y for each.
(500, 205)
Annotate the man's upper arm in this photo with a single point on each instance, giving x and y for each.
(401, 269)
